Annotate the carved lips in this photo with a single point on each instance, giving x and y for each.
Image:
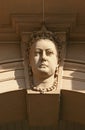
(43, 65)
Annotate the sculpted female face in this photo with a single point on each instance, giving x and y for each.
(43, 57)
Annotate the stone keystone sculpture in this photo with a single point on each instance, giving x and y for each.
(43, 60)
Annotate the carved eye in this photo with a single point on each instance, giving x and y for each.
(49, 52)
(37, 52)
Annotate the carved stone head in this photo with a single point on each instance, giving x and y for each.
(43, 57)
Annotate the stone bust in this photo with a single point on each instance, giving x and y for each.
(43, 61)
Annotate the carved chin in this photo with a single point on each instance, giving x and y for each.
(43, 70)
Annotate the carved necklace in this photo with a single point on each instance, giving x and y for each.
(43, 90)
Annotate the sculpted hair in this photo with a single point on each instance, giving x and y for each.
(45, 34)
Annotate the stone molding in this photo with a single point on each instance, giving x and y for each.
(28, 22)
(63, 24)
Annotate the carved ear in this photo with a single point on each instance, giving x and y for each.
(56, 71)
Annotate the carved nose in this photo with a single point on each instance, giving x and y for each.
(44, 55)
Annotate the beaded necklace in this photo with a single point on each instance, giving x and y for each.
(44, 90)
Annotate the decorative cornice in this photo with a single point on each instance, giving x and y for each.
(11, 78)
(9, 65)
(75, 65)
(30, 22)
(73, 78)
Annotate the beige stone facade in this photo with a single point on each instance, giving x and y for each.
(67, 19)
